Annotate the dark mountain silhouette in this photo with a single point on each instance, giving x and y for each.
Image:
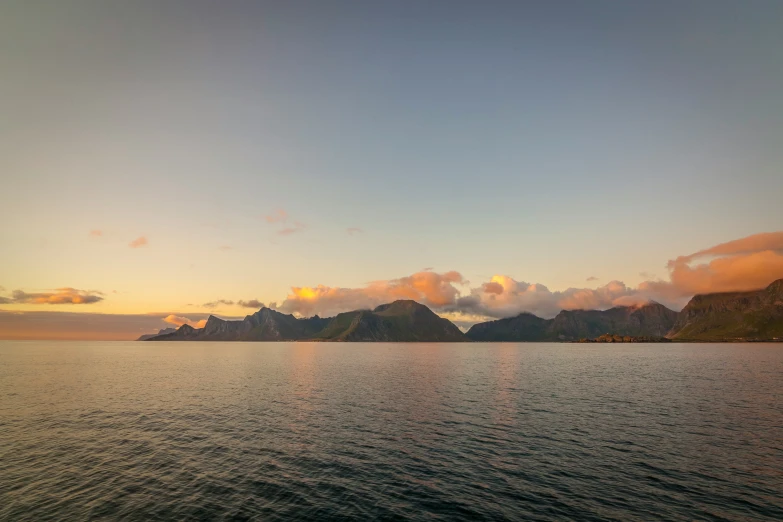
(160, 332)
(399, 321)
(264, 325)
(735, 316)
(650, 320)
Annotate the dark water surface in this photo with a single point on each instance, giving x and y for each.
(235, 431)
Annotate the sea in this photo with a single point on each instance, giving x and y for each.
(385, 431)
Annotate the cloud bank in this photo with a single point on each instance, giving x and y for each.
(59, 296)
(429, 288)
(744, 264)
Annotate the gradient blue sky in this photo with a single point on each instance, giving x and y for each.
(546, 141)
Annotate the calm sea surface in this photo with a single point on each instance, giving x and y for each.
(236, 431)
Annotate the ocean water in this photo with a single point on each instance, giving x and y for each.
(300, 431)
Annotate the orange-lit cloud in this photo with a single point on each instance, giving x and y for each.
(749, 263)
(492, 287)
(59, 296)
(745, 264)
(430, 288)
(138, 242)
(764, 242)
(96, 233)
(352, 231)
(178, 321)
(733, 273)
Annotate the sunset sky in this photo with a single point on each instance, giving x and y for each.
(167, 160)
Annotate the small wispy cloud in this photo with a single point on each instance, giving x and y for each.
(353, 231)
(139, 242)
(224, 248)
(252, 303)
(218, 302)
(278, 216)
(298, 227)
(591, 278)
(96, 233)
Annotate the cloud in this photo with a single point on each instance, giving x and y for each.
(224, 248)
(138, 242)
(278, 216)
(744, 264)
(96, 233)
(6, 300)
(591, 278)
(764, 242)
(59, 296)
(218, 302)
(251, 303)
(178, 321)
(352, 231)
(503, 296)
(298, 227)
(429, 288)
(492, 287)
(749, 263)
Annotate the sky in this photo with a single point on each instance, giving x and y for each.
(161, 161)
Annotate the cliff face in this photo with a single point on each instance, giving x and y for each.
(751, 315)
(650, 320)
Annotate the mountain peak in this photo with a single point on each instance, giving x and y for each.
(400, 305)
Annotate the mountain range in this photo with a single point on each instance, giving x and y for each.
(736, 316)
(650, 320)
(399, 321)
